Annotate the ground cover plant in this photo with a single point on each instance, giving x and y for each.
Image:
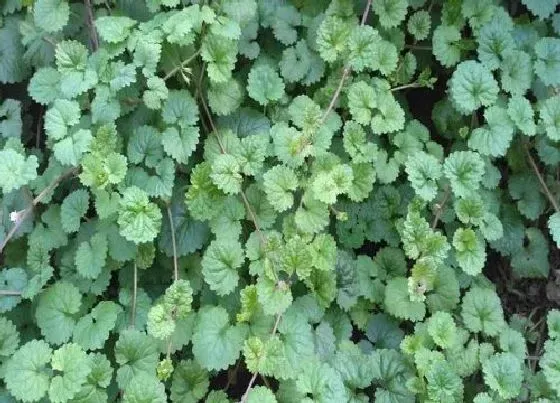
(279, 201)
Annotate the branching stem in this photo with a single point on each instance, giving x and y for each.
(182, 65)
(545, 188)
(9, 293)
(254, 377)
(90, 21)
(24, 213)
(174, 243)
(134, 296)
(406, 86)
(440, 207)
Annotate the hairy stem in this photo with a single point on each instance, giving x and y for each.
(134, 295)
(406, 86)
(174, 243)
(223, 151)
(24, 213)
(345, 73)
(182, 65)
(9, 293)
(545, 188)
(254, 377)
(90, 21)
(440, 206)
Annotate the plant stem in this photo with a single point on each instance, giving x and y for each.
(223, 151)
(406, 86)
(183, 64)
(345, 74)
(173, 242)
(254, 377)
(542, 182)
(134, 295)
(418, 47)
(9, 293)
(440, 207)
(36, 200)
(91, 24)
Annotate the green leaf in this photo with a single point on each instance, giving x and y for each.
(75, 366)
(541, 9)
(57, 311)
(44, 86)
(521, 113)
(423, 172)
(279, 183)
(390, 12)
(69, 150)
(144, 388)
(464, 169)
(114, 29)
(91, 256)
(274, 297)
(494, 138)
(95, 388)
(472, 86)
(137, 354)
(221, 55)
(442, 329)
(190, 382)
(547, 65)
(549, 363)
(225, 98)
(73, 208)
(363, 52)
(92, 330)
(139, 219)
(531, 261)
(220, 263)
(145, 146)
(261, 394)
(216, 343)
(51, 15)
(419, 25)
(446, 45)
(469, 251)
(16, 170)
(550, 117)
(503, 374)
(156, 93)
(554, 227)
(482, 311)
(26, 375)
(225, 174)
(9, 337)
(264, 84)
(398, 302)
(10, 119)
(444, 385)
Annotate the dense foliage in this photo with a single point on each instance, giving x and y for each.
(247, 200)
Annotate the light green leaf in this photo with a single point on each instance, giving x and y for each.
(139, 219)
(216, 343)
(220, 263)
(91, 256)
(16, 170)
(75, 366)
(73, 208)
(92, 330)
(137, 354)
(264, 84)
(57, 311)
(51, 15)
(26, 374)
